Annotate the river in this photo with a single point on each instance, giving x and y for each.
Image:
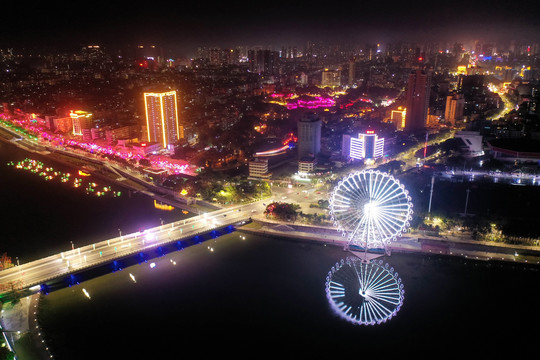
(255, 298)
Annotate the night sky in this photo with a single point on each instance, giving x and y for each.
(202, 23)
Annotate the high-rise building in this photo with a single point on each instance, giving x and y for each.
(455, 104)
(365, 146)
(331, 78)
(352, 71)
(418, 89)
(162, 124)
(309, 135)
(80, 120)
(263, 61)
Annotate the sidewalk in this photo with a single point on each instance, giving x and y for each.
(455, 246)
(20, 319)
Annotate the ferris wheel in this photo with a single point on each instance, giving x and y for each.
(370, 208)
(364, 293)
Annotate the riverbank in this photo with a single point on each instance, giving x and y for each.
(21, 316)
(107, 173)
(410, 242)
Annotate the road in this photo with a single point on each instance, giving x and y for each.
(39, 271)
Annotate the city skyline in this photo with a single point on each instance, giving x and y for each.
(185, 27)
(268, 168)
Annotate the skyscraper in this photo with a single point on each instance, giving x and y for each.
(352, 71)
(418, 89)
(263, 61)
(162, 123)
(309, 136)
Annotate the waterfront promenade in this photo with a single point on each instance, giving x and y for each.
(462, 245)
(20, 318)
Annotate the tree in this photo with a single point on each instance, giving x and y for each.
(5, 354)
(282, 211)
(5, 262)
(451, 146)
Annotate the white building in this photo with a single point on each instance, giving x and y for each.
(472, 141)
(307, 165)
(365, 146)
(258, 168)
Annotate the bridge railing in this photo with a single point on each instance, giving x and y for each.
(130, 244)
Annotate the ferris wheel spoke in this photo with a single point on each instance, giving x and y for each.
(393, 220)
(371, 207)
(360, 225)
(364, 293)
(388, 288)
(390, 194)
(380, 187)
(380, 309)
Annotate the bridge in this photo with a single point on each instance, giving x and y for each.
(35, 273)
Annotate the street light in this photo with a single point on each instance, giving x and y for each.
(466, 202)
(431, 193)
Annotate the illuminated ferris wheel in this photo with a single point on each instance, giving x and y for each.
(364, 293)
(370, 208)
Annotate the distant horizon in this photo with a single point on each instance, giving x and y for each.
(181, 49)
(185, 27)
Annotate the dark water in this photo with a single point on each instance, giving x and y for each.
(40, 218)
(263, 298)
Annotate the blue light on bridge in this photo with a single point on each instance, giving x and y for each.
(160, 251)
(44, 289)
(116, 265)
(142, 257)
(72, 280)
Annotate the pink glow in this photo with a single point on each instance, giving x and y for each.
(317, 102)
(171, 165)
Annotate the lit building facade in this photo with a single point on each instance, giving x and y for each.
(162, 124)
(63, 124)
(455, 105)
(366, 146)
(331, 78)
(398, 117)
(80, 120)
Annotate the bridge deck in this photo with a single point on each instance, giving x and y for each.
(42, 270)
